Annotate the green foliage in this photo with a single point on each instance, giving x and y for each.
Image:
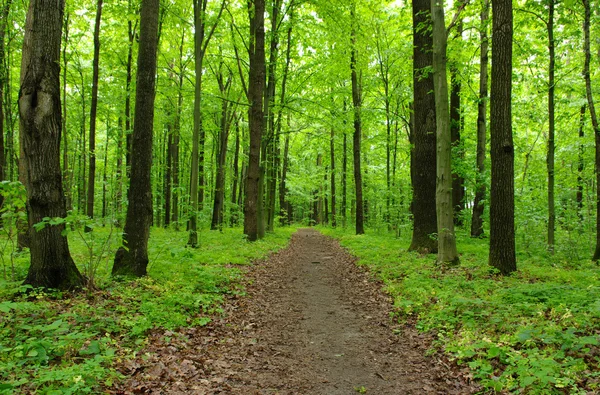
(59, 343)
(533, 332)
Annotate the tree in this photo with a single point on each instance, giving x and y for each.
(479, 202)
(40, 133)
(424, 133)
(356, 101)
(256, 87)
(132, 257)
(447, 252)
(201, 41)
(593, 116)
(93, 111)
(502, 204)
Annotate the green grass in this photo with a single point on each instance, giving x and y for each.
(537, 331)
(63, 343)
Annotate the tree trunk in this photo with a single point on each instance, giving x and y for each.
(65, 134)
(344, 171)
(356, 101)
(131, 33)
(3, 22)
(447, 253)
(132, 258)
(104, 175)
(593, 117)
(233, 219)
(40, 129)
(424, 136)
(168, 172)
(93, 111)
(332, 165)
(551, 145)
(219, 199)
(580, 163)
(479, 202)
(502, 203)
(283, 205)
(256, 87)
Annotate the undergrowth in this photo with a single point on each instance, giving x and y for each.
(65, 343)
(535, 332)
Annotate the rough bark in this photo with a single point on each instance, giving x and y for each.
(424, 140)
(40, 133)
(447, 253)
(502, 205)
(357, 137)
(256, 87)
(93, 112)
(132, 257)
(479, 202)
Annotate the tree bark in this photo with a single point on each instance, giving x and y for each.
(593, 117)
(3, 22)
(447, 253)
(424, 135)
(332, 165)
(502, 204)
(233, 218)
(344, 171)
(580, 163)
(551, 144)
(356, 101)
(40, 132)
(256, 87)
(132, 258)
(93, 111)
(479, 202)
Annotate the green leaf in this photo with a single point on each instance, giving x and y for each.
(93, 348)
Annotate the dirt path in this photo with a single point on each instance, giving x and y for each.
(312, 323)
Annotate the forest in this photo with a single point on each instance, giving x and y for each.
(152, 152)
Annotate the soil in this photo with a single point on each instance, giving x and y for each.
(312, 322)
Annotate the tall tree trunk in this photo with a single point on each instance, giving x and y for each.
(168, 172)
(424, 136)
(93, 111)
(580, 163)
(344, 171)
(283, 210)
(256, 86)
(593, 117)
(332, 165)
(447, 253)
(104, 175)
(479, 202)
(3, 22)
(283, 205)
(40, 129)
(456, 127)
(356, 101)
(551, 144)
(236, 173)
(219, 199)
(132, 257)
(177, 134)
(502, 203)
(131, 33)
(201, 41)
(65, 134)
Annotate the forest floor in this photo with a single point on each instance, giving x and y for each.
(311, 322)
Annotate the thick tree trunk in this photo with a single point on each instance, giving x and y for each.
(424, 136)
(256, 87)
(447, 253)
(132, 258)
(502, 203)
(593, 117)
(93, 111)
(40, 130)
(479, 202)
(551, 144)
